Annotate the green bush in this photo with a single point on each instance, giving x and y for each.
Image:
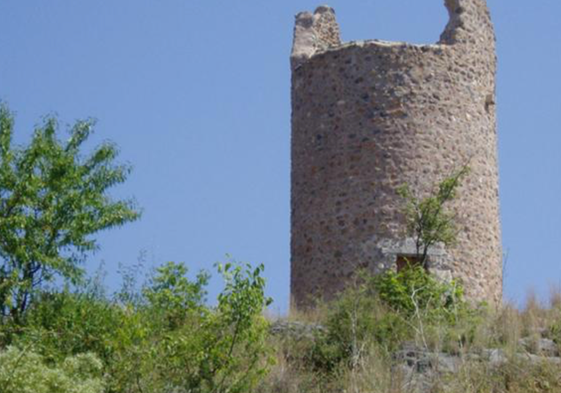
(64, 324)
(415, 292)
(172, 299)
(172, 341)
(220, 350)
(384, 311)
(165, 338)
(355, 322)
(23, 371)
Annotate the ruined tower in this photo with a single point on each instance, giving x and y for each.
(370, 116)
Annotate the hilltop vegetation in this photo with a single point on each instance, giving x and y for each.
(160, 337)
(405, 333)
(399, 332)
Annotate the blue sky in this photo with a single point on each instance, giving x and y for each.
(197, 95)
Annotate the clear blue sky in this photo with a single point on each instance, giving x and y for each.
(197, 95)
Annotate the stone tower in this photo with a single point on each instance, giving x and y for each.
(370, 116)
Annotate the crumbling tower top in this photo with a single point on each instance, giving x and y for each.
(469, 25)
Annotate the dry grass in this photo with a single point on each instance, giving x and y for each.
(377, 371)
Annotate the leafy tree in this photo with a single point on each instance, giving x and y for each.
(428, 220)
(52, 200)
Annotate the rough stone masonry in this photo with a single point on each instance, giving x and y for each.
(370, 116)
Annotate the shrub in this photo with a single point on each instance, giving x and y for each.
(172, 298)
(165, 339)
(65, 324)
(173, 342)
(355, 322)
(381, 312)
(413, 291)
(23, 371)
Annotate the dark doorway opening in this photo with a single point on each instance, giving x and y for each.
(408, 261)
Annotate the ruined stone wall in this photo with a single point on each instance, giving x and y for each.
(370, 116)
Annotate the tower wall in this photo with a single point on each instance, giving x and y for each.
(370, 116)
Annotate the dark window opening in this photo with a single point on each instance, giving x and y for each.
(407, 261)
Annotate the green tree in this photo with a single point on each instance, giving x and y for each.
(428, 220)
(52, 200)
